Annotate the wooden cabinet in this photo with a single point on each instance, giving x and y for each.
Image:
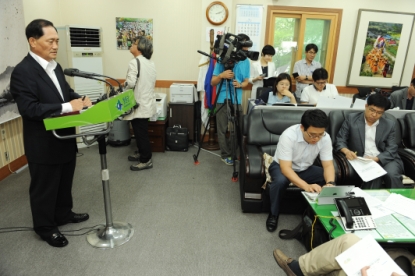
(183, 114)
(157, 135)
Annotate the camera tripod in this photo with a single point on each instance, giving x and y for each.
(232, 111)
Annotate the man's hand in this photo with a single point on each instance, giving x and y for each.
(313, 188)
(86, 102)
(236, 84)
(374, 158)
(77, 104)
(350, 155)
(228, 74)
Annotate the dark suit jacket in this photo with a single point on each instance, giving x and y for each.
(38, 98)
(398, 99)
(352, 136)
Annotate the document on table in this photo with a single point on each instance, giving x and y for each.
(338, 102)
(401, 205)
(367, 252)
(390, 228)
(367, 169)
(374, 202)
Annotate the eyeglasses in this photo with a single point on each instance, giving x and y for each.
(371, 110)
(311, 52)
(320, 82)
(314, 136)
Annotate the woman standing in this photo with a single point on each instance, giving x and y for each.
(262, 70)
(143, 82)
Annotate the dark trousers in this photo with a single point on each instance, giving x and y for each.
(140, 128)
(50, 195)
(279, 183)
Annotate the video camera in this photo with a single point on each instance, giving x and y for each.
(228, 48)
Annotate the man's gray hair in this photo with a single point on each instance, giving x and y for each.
(145, 46)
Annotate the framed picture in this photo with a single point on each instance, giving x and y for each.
(380, 48)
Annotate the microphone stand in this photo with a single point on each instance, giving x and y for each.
(114, 233)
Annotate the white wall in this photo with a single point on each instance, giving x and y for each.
(180, 26)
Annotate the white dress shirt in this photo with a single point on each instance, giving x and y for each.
(292, 147)
(311, 94)
(49, 68)
(370, 135)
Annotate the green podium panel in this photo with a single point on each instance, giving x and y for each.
(105, 111)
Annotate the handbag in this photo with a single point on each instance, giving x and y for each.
(308, 234)
(177, 138)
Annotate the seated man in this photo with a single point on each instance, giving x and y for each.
(321, 260)
(370, 135)
(297, 149)
(404, 98)
(319, 88)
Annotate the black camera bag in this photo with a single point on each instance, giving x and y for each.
(177, 138)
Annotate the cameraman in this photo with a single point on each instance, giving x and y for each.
(237, 79)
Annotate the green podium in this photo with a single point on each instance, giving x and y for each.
(114, 233)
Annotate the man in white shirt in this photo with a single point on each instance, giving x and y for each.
(368, 134)
(298, 147)
(305, 68)
(319, 88)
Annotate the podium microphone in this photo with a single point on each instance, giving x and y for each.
(72, 72)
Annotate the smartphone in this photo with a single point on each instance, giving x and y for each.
(295, 75)
(263, 75)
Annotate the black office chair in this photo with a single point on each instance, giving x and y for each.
(363, 93)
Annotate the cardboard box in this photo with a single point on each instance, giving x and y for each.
(182, 93)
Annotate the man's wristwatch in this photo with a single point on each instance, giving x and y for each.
(332, 183)
(306, 77)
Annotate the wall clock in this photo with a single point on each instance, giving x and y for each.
(217, 13)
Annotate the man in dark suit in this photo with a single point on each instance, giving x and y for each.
(39, 88)
(370, 135)
(404, 98)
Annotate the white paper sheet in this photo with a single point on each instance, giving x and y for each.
(359, 104)
(338, 102)
(367, 170)
(367, 252)
(401, 205)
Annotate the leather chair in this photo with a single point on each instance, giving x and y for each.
(349, 176)
(262, 129)
(407, 146)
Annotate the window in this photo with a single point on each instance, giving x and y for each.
(290, 29)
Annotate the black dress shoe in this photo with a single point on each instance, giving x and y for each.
(56, 240)
(75, 218)
(272, 222)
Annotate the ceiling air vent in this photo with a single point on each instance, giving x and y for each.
(84, 37)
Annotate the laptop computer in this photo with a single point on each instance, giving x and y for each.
(329, 193)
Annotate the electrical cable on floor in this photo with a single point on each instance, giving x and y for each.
(90, 229)
(207, 150)
(22, 228)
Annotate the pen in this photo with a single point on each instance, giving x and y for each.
(83, 98)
